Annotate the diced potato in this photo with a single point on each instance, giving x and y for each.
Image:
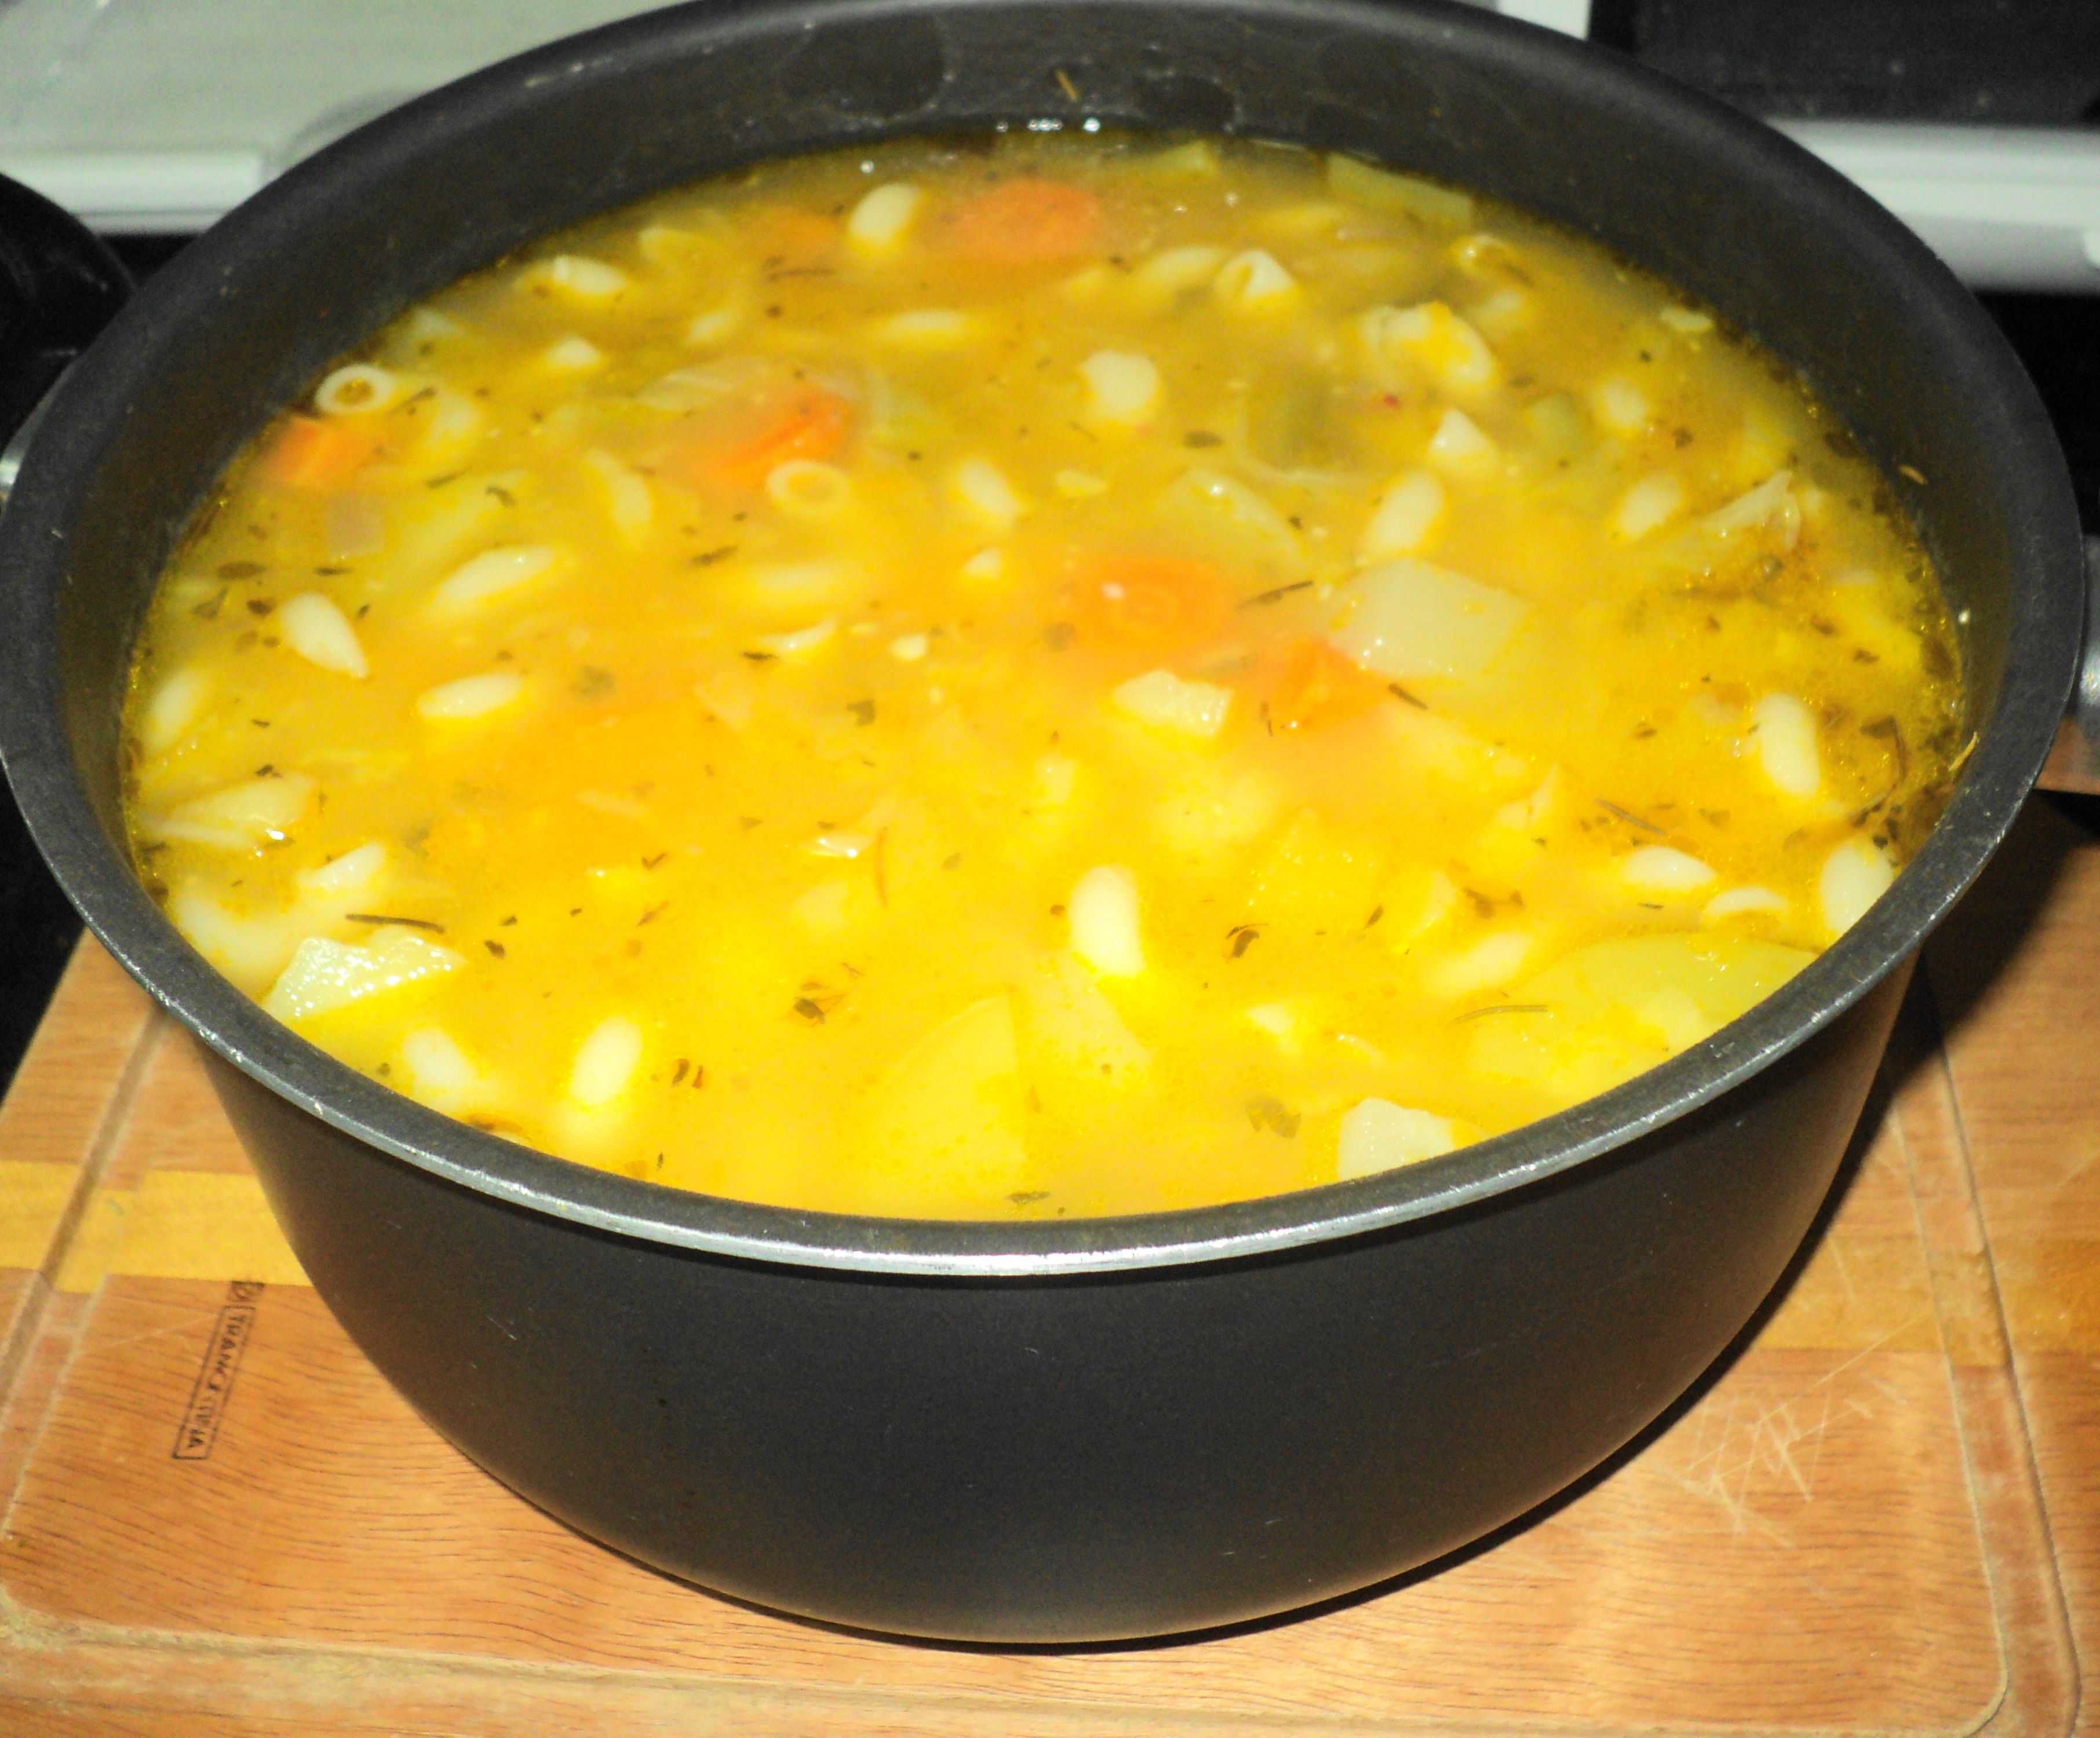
(325, 976)
(1318, 876)
(1232, 520)
(1461, 448)
(1406, 515)
(1174, 272)
(1408, 621)
(1208, 809)
(1077, 1050)
(1103, 911)
(1075, 484)
(1378, 1134)
(1603, 1013)
(1686, 321)
(1164, 701)
(1854, 876)
(801, 640)
(249, 947)
(945, 1126)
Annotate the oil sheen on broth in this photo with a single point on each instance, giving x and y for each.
(1074, 676)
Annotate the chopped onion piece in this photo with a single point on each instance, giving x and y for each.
(1411, 620)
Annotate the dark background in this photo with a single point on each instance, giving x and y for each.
(2028, 63)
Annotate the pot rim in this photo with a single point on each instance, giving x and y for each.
(2010, 746)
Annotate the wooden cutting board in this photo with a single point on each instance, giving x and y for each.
(1882, 1516)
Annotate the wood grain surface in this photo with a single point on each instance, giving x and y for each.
(1882, 1516)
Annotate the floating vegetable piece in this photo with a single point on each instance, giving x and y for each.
(1378, 1134)
(1410, 621)
(325, 975)
(1104, 913)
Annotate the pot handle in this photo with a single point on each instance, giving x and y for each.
(59, 285)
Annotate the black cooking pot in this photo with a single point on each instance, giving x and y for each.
(1071, 1431)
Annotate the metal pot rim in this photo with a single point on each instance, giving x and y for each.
(33, 742)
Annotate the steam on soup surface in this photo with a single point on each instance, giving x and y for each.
(1074, 677)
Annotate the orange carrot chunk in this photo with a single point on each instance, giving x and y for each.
(807, 423)
(1310, 684)
(309, 453)
(1150, 603)
(1027, 221)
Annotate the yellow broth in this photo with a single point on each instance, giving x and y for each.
(1076, 676)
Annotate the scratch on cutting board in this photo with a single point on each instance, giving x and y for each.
(1736, 1462)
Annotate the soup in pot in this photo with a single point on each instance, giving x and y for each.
(1067, 676)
